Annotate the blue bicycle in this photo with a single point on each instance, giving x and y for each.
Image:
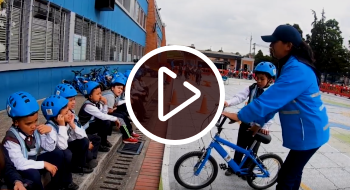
(199, 160)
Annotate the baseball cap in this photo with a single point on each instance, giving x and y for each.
(285, 33)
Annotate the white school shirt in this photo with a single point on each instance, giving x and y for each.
(241, 97)
(48, 143)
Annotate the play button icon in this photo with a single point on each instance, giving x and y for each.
(174, 95)
(161, 95)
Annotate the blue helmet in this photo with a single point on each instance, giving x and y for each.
(65, 90)
(89, 86)
(120, 74)
(266, 67)
(118, 80)
(21, 104)
(52, 106)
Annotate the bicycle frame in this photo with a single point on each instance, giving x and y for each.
(216, 144)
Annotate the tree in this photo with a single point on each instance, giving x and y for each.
(220, 50)
(260, 57)
(237, 53)
(327, 44)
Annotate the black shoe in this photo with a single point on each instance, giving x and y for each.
(108, 144)
(81, 170)
(72, 186)
(229, 172)
(103, 149)
(92, 164)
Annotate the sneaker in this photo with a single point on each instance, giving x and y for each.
(72, 186)
(229, 172)
(130, 140)
(92, 164)
(135, 135)
(103, 149)
(80, 170)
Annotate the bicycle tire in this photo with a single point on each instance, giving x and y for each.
(197, 154)
(252, 166)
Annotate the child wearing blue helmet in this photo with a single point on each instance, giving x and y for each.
(265, 72)
(32, 147)
(117, 88)
(56, 112)
(67, 91)
(93, 114)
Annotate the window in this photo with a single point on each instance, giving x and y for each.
(100, 36)
(134, 51)
(132, 7)
(81, 43)
(11, 30)
(48, 35)
(122, 46)
(130, 43)
(126, 5)
(113, 47)
(137, 12)
(139, 53)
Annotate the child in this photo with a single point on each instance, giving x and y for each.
(67, 91)
(32, 147)
(117, 86)
(57, 115)
(93, 114)
(265, 72)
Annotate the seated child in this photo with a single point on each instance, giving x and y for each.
(265, 72)
(32, 147)
(57, 115)
(93, 114)
(67, 91)
(117, 86)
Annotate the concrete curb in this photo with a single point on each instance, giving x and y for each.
(88, 179)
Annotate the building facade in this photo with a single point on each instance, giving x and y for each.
(42, 41)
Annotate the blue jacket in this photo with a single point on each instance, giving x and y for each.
(297, 98)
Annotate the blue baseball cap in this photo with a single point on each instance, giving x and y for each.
(284, 33)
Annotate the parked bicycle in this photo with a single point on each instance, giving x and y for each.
(78, 81)
(255, 173)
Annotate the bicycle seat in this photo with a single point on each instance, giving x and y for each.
(265, 139)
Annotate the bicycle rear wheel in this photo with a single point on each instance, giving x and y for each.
(187, 178)
(275, 161)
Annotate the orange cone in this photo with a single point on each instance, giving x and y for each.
(204, 108)
(174, 99)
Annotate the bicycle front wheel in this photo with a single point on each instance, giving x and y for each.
(272, 163)
(186, 165)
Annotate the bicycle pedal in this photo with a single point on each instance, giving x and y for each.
(223, 166)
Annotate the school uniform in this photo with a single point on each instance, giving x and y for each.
(28, 153)
(94, 139)
(245, 139)
(111, 104)
(94, 119)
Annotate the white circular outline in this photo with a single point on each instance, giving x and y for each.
(156, 52)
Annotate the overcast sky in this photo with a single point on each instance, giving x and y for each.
(229, 23)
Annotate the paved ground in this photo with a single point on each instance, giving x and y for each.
(329, 169)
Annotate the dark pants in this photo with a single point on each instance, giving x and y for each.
(56, 158)
(122, 109)
(67, 167)
(102, 128)
(127, 122)
(139, 108)
(245, 140)
(96, 141)
(79, 149)
(289, 176)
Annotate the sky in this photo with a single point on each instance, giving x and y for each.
(228, 24)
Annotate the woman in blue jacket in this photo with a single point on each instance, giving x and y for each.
(297, 98)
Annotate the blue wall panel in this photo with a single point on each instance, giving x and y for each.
(144, 5)
(117, 20)
(41, 82)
